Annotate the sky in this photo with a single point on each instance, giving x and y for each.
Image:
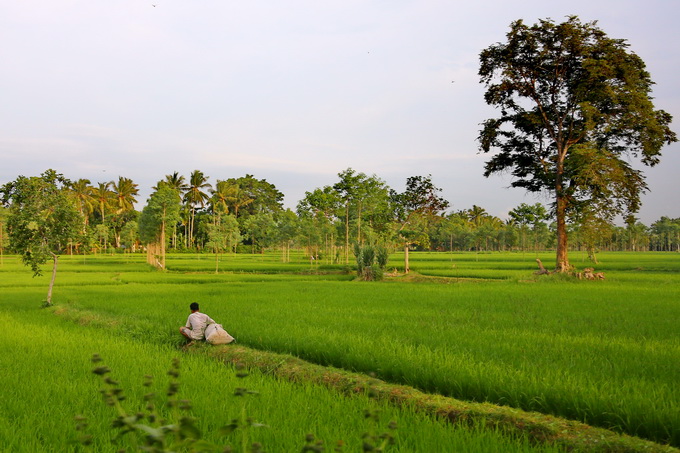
(293, 91)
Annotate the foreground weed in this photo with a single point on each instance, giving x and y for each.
(148, 431)
(372, 440)
(244, 423)
(157, 434)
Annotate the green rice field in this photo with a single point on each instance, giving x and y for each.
(475, 327)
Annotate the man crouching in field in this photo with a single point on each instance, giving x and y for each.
(196, 324)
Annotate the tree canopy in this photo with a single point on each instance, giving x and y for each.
(575, 104)
(43, 219)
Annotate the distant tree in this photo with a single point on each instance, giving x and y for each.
(83, 193)
(196, 196)
(174, 181)
(42, 220)
(101, 234)
(414, 210)
(456, 231)
(124, 192)
(637, 233)
(223, 236)
(592, 231)
(526, 216)
(285, 231)
(161, 210)
(363, 197)
(260, 229)
(575, 104)
(666, 234)
(348, 191)
(264, 195)
(129, 235)
(220, 197)
(318, 212)
(118, 221)
(231, 194)
(4, 213)
(103, 197)
(177, 182)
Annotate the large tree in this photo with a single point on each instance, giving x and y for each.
(223, 235)
(124, 192)
(364, 197)
(104, 197)
(414, 211)
(196, 196)
(43, 219)
(318, 213)
(251, 196)
(575, 105)
(162, 209)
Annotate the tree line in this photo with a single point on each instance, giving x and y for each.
(246, 214)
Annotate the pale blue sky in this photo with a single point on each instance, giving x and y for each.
(290, 91)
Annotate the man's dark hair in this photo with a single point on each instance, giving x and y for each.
(194, 306)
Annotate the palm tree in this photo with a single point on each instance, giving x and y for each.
(195, 196)
(82, 192)
(174, 181)
(238, 198)
(103, 197)
(220, 197)
(124, 192)
(476, 214)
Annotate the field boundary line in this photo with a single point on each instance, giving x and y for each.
(538, 427)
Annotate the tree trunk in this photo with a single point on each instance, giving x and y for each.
(191, 227)
(347, 233)
(562, 260)
(163, 244)
(359, 225)
(54, 275)
(407, 269)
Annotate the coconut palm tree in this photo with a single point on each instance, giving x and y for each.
(476, 215)
(174, 181)
(82, 192)
(103, 197)
(124, 192)
(196, 196)
(238, 198)
(221, 195)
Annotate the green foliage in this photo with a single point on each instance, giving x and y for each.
(371, 261)
(4, 241)
(161, 210)
(178, 431)
(575, 104)
(42, 218)
(416, 209)
(224, 234)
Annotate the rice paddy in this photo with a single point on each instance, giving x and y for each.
(477, 327)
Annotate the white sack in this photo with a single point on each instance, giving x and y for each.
(215, 334)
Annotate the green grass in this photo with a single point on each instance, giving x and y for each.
(48, 380)
(606, 352)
